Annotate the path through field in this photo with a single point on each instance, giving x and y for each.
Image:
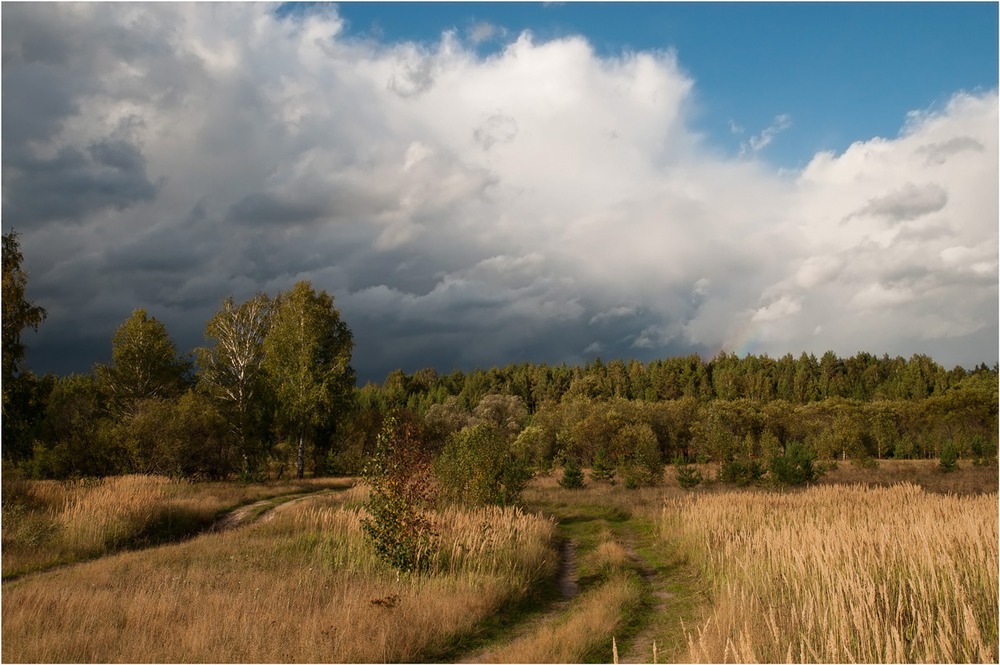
(263, 509)
(662, 598)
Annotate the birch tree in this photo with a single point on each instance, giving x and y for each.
(233, 370)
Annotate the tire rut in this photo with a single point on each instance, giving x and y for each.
(641, 645)
(568, 584)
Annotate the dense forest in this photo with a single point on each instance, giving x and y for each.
(273, 393)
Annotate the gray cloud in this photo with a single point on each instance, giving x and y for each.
(462, 210)
(74, 184)
(907, 203)
(939, 153)
(498, 128)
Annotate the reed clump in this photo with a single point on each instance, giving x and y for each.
(843, 573)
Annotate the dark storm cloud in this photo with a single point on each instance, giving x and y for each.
(75, 183)
(459, 207)
(267, 210)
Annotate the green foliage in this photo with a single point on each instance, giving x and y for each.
(144, 365)
(982, 452)
(186, 437)
(399, 474)
(18, 312)
(538, 445)
(688, 476)
(572, 475)
(22, 402)
(795, 466)
(232, 370)
(641, 461)
(506, 412)
(479, 467)
(865, 462)
(602, 470)
(307, 354)
(740, 471)
(949, 457)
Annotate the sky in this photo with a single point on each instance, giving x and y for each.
(480, 184)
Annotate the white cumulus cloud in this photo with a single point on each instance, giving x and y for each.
(468, 210)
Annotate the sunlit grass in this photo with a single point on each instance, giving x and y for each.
(50, 522)
(303, 586)
(843, 573)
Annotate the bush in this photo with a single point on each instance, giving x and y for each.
(572, 475)
(400, 479)
(688, 476)
(949, 457)
(602, 470)
(642, 463)
(478, 467)
(795, 466)
(740, 472)
(982, 453)
(865, 462)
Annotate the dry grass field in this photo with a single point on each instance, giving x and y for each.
(49, 522)
(843, 574)
(301, 586)
(894, 564)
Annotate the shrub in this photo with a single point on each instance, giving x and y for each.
(865, 462)
(572, 475)
(949, 457)
(688, 476)
(642, 463)
(741, 472)
(602, 470)
(479, 467)
(795, 466)
(400, 479)
(981, 452)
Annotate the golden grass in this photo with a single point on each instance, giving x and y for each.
(843, 573)
(50, 522)
(300, 587)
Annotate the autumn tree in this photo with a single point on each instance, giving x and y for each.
(233, 370)
(307, 355)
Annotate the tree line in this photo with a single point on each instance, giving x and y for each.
(273, 392)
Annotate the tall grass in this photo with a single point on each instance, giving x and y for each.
(303, 586)
(50, 522)
(843, 573)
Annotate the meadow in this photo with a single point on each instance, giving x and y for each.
(892, 564)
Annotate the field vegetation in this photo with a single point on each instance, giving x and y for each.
(843, 574)
(850, 568)
(303, 586)
(49, 522)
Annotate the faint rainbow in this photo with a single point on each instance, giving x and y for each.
(745, 341)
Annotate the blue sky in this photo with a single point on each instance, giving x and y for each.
(482, 184)
(842, 71)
